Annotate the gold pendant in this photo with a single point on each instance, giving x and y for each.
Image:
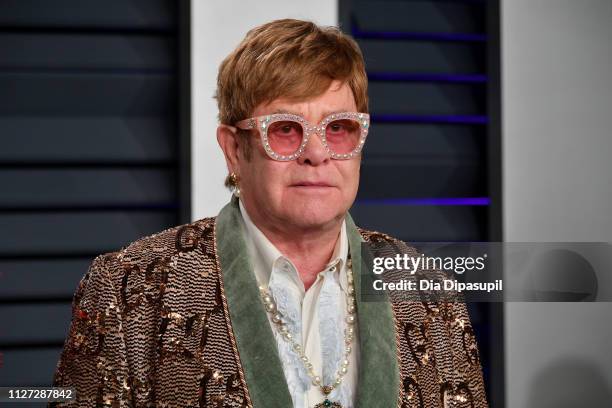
(328, 404)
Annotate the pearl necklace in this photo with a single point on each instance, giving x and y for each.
(277, 319)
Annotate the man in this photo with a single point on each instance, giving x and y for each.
(260, 306)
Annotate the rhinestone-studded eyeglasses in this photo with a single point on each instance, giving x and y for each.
(284, 135)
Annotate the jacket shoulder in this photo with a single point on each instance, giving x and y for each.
(385, 242)
(375, 236)
(156, 248)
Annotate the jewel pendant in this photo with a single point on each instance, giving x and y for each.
(328, 404)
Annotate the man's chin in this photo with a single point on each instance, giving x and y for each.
(315, 218)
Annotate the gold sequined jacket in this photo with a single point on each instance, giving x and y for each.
(175, 320)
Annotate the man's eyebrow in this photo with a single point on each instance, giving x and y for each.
(288, 111)
(325, 114)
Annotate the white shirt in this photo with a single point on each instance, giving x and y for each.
(316, 317)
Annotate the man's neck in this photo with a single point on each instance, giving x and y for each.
(309, 249)
(310, 253)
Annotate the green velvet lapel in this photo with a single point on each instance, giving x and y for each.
(378, 366)
(379, 379)
(256, 344)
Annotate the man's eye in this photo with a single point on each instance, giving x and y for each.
(285, 128)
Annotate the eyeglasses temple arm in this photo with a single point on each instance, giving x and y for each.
(246, 124)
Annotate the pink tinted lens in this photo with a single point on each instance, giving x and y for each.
(285, 136)
(343, 135)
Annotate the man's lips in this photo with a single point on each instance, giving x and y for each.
(311, 184)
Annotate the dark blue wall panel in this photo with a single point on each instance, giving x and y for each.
(90, 158)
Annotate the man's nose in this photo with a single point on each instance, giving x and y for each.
(315, 152)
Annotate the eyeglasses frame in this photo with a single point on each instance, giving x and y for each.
(262, 123)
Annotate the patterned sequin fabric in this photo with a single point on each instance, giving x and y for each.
(151, 328)
(436, 347)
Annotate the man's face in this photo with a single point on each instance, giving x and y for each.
(311, 192)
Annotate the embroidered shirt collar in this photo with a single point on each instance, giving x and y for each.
(267, 258)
